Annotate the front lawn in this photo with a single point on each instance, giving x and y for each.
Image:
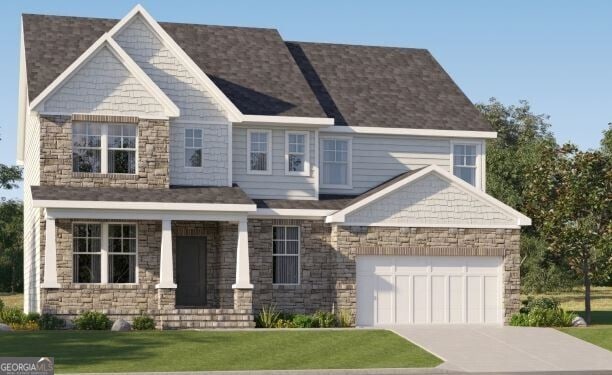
(600, 331)
(104, 351)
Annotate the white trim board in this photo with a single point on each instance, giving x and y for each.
(408, 131)
(291, 212)
(147, 206)
(105, 41)
(339, 217)
(114, 214)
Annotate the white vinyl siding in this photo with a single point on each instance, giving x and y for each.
(286, 255)
(377, 158)
(276, 185)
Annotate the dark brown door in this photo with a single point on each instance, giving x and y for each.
(191, 271)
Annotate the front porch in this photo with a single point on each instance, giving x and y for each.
(185, 269)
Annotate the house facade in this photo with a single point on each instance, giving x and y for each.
(200, 173)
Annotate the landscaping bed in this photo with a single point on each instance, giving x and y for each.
(105, 351)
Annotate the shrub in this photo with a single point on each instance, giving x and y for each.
(268, 317)
(143, 322)
(32, 317)
(12, 315)
(345, 318)
(92, 320)
(284, 323)
(324, 319)
(538, 303)
(1, 305)
(50, 322)
(539, 316)
(28, 325)
(304, 321)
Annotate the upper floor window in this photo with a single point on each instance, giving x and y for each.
(336, 163)
(104, 148)
(296, 158)
(193, 147)
(464, 158)
(259, 151)
(286, 254)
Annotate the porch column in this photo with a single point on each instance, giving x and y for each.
(166, 268)
(50, 276)
(243, 278)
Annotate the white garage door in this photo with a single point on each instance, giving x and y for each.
(428, 290)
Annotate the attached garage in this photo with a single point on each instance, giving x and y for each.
(429, 290)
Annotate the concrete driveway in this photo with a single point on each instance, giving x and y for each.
(507, 349)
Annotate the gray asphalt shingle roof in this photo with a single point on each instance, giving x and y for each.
(263, 75)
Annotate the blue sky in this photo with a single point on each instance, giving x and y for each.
(555, 54)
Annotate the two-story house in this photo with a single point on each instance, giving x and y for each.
(199, 173)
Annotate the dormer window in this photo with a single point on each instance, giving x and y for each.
(104, 148)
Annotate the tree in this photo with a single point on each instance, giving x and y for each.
(606, 141)
(570, 198)
(11, 246)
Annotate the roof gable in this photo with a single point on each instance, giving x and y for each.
(429, 197)
(99, 81)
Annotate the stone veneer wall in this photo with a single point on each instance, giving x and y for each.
(316, 288)
(56, 157)
(351, 241)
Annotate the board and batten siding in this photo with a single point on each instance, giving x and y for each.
(276, 185)
(104, 86)
(31, 216)
(377, 158)
(198, 108)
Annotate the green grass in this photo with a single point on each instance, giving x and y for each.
(104, 351)
(600, 331)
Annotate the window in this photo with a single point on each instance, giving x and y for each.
(87, 253)
(336, 163)
(86, 148)
(104, 253)
(286, 255)
(104, 148)
(193, 147)
(464, 162)
(121, 253)
(259, 150)
(122, 148)
(296, 159)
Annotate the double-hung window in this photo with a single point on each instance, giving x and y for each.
(87, 252)
(286, 255)
(296, 157)
(336, 163)
(465, 162)
(193, 147)
(104, 148)
(121, 253)
(259, 151)
(104, 253)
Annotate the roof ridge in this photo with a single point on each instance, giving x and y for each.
(357, 45)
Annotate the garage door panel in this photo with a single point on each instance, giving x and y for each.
(438, 299)
(420, 299)
(428, 290)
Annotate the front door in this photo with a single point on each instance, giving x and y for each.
(191, 271)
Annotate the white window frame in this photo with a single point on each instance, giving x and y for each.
(108, 252)
(201, 148)
(104, 251)
(268, 170)
(299, 253)
(104, 147)
(306, 171)
(102, 264)
(480, 168)
(349, 159)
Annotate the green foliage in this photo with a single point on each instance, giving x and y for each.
(539, 303)
(268, 317)
(11, 246)
(324, 319)
(12, 315)
(284, 323)
(541, 272)
(28, 325)
(143, 322)
(304, 321)
(1, 305)
(543, 317)
(345, 318)
(92, 320)
(32, 317)
(51, 322)
(9, 175)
